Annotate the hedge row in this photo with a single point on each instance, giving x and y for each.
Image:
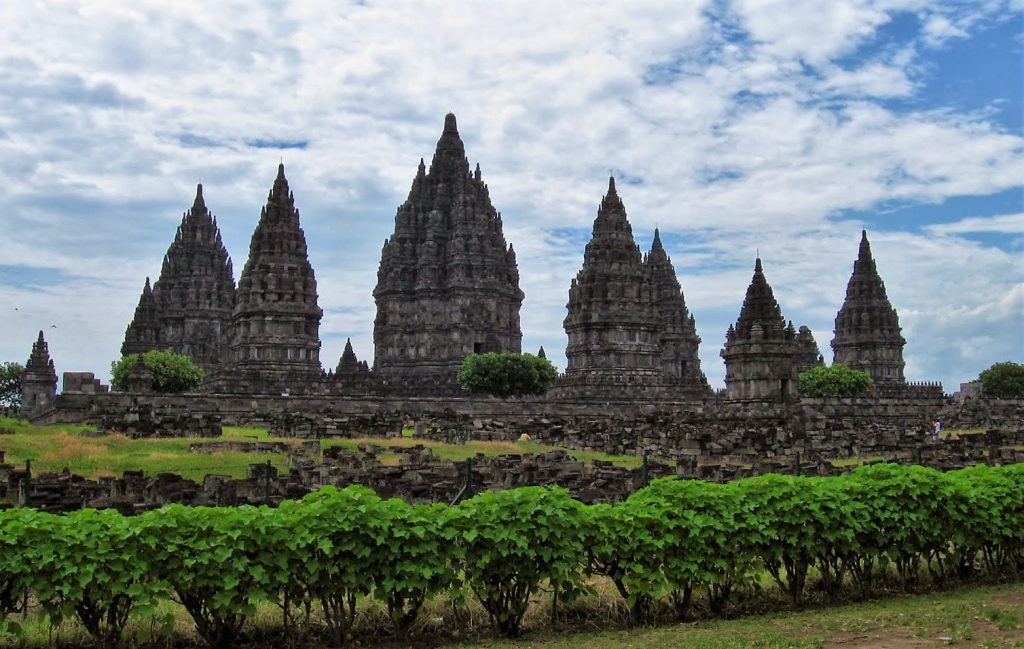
(665, 543)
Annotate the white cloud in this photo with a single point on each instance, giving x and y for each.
(1001, 224)
(110, 113)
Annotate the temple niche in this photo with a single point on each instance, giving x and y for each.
(629, 331)
(867, 333)
(189, 308)
(763, 355)
(448, 284)
(275, 344)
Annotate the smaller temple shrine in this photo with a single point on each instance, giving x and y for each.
(763, 354)
(39, 381)
(630, 333)
(275, 344)
(867, 334)
(188, 310)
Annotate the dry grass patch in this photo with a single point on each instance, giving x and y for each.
(66, 448)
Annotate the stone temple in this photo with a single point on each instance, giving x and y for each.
(275, 328)
(867, 335)
(763, 354)
(189, 309)
(628, 326)
(39, 381)
(448, 284)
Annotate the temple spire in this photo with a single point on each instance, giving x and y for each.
(450, 125)
(143, 333)
(348, 361)
(39, 380)
(760, 307)
(867, 334)
(276, 320)
(446, 255)
(199, 205)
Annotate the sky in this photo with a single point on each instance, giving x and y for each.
(738, 127)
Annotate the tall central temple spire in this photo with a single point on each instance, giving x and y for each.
(448, 284)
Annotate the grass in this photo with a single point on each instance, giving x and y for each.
(950, 432)
(54, 448)
(966, 617)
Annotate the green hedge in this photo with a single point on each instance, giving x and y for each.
(664, 544)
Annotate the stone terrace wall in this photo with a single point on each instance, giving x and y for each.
(738, 432)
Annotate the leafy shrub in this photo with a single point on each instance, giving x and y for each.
(710, 531)
(512, 541)
(336, 539)
(905, 507)
(415, 560)
(218, 562)
(17, 536)
(93, 564)
(171, 372)
(627, 543)
(506, 375)
(836, 381)
(1003, 380)
(669, 540)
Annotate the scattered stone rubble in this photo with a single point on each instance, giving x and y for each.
(419, 476)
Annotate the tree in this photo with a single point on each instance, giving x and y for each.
(171, 372)
(836, 381)
(10, 385)
(506, 375)
(1003, 380)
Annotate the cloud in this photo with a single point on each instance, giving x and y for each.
(747, 125)
(1000, 224)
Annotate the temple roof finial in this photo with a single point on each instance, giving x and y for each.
(199, 205)
(450, 126)
(864, 253)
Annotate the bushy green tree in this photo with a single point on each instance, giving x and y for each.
(836, 381)
(1003, 380)
(10, 385)
(171, 372)
(506, 375)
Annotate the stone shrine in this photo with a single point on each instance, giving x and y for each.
(275, 345)
(189, 309)
(448, 284)
(628, 327)
(762, 353)
(867, 334)
(39, 380)
(678, 337)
